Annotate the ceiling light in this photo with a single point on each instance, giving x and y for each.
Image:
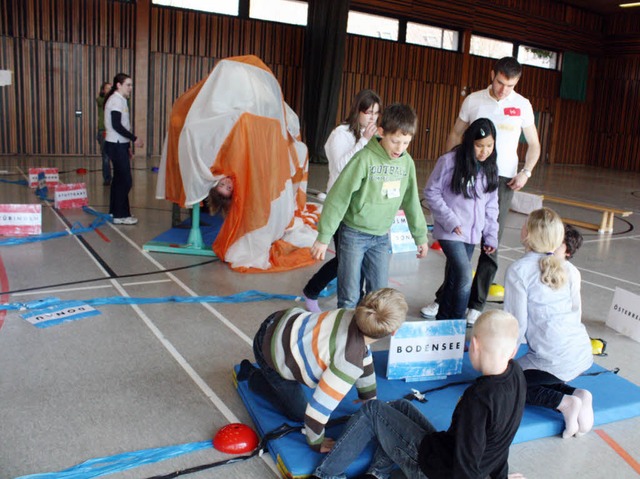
(627, 5)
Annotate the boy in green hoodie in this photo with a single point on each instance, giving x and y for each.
(378, 181)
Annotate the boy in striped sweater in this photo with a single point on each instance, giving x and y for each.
(327, 351)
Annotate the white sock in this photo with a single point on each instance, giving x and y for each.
(585, 416)
(570, 408)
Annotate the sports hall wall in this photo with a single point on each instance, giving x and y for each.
(61, 50)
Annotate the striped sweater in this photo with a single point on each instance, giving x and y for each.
(325, 351)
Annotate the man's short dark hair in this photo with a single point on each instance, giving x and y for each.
(399, 117)
(509, 67)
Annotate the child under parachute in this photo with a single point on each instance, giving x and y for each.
(234, 126)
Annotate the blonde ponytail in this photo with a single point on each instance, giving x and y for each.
(552, 272)
(545, 233)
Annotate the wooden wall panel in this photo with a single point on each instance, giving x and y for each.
(185, 45)
(51, 82)
(424, 78)
(61, 50)
(89, 22)
(615, 123)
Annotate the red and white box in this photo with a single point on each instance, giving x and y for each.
(50, 175)
(20, 220)
(71, 195)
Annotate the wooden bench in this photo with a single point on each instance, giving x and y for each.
(606, 223)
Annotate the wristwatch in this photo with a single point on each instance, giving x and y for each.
(526, 172)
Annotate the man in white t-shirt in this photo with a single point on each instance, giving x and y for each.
(511, 114)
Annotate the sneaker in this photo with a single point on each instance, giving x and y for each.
(472, 316)
(128, 220)
(312, 305)
(430, 310)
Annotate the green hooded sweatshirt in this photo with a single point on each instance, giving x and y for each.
(369, 192)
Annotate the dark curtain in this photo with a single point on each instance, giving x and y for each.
(575, 73)
(323, 59)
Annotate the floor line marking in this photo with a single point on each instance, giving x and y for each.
(207, 306)
(195, 377)
(63, 290)
(619, 450)
(137, 283)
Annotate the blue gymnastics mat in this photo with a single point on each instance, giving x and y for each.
(614, 399)
(176, 239)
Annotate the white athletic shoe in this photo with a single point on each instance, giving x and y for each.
(128, 220)
(472, 316)
(430, 310)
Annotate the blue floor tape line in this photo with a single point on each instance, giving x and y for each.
(122, 462)
(249, 296)
(614, 399)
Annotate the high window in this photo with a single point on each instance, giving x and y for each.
(537, 57)
(490, 47)
(430, 36)
(372, 25)
(227, 7)
(283, 11)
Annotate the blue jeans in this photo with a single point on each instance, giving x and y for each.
(361, 254)
(457, 279)
(398, 428)
(106, 165)
(285, 395)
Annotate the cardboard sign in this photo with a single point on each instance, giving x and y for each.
(624, 315)
(60, 313)
(400, 236)
(71, 195)
(423, 350)
(20, 220)
(50, 175)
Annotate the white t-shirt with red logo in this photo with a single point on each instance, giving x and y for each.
(509, 116)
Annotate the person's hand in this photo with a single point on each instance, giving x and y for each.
(458, 230)
(370, 130)
(327, 445)
(318, 250)
(138, 143)
(488, 249)
(516, 475)
(423, 249)
(518, 181)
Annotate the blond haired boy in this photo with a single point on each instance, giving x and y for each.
(327, 351)
(482, 426)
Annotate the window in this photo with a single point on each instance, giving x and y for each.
(227, 7)
(537, 57)
(372, 25)
(490, 47)
(284, 11)
(429, 36)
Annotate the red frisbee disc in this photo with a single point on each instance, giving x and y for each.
(235, 438)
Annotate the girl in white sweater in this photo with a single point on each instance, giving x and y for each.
(543, 292)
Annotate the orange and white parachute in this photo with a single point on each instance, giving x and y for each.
(235, 123)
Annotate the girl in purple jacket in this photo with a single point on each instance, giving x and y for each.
(462, 193)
